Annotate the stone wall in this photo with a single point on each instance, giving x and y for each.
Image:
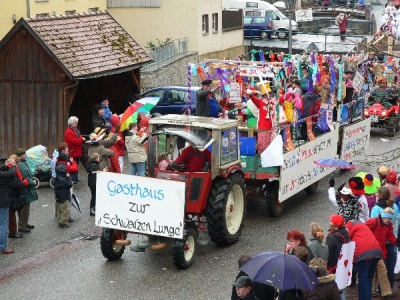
(175, 72)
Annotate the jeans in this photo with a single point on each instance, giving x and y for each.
(391, 262)
(343, 294)
(366, 271)
(138, 169)
(93, 196)
(74, 176)
(3, 228)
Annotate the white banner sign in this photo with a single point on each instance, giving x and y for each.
(234, 93)
(304, 15)
(299, 170)
(355, 141)
(140, 204)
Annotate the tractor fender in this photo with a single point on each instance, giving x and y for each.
(232, 170)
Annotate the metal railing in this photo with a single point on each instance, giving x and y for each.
(169, 51)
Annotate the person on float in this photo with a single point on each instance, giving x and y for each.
(266, 118)
(207, 105)
(356, 185)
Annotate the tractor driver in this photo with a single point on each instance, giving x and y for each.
(193, 159)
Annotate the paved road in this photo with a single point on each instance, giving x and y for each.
(53, 263)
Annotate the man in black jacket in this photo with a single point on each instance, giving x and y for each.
(207, 105)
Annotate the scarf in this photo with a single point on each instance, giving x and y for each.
(75, 129)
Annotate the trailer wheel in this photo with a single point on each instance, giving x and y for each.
(274, 206)
(310, 190)
(107, 243)
(37, 182)
(225, 210)
(184, 250)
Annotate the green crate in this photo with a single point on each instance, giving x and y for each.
(248, 163)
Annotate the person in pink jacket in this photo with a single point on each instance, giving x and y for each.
(343, 25)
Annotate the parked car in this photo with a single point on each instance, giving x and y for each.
(261, 27)
(173, 99)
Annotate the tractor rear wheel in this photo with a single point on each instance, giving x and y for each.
(109, 249)
(184, 250)
(225, 209)
(275, 207)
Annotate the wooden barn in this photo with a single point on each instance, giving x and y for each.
(55, 67)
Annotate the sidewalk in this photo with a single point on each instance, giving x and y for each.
(352, 292)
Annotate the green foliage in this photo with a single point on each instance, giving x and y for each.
(153, 46)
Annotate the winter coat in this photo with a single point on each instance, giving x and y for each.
(74, 142)
(115, 167)
(262, 291)
(383, 233)
(318, 248)
(15, 186)
(203, 98)
(101, 147)
(62, 184)
(367, 247)
(6, 176)
(311, 104)
(327, 289)
(28, 191)
(349, 210)
(91, 167)
(99, 121)
(343, 25)
(334, 241)
(135, 148)
(380, 206)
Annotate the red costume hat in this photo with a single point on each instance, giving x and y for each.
(337, 220)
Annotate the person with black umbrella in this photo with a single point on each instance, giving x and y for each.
(262, 291)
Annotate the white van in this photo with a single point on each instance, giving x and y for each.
(264, 9)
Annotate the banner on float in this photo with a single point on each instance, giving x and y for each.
(355, 141)
(351, 112)
(299, 170)
(235, 95)
(140, 204)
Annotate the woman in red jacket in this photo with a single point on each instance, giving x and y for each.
(366, 256)
(382, 228)
(74, 140)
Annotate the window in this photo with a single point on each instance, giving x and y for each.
(252, 4)
(42, 15)
(229, 146)
(255, 13)
(177, 96)
(156, 93)
(93, 9)
(204, 25)
(70, 12)
(215, 23)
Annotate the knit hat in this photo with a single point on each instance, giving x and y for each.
(337, 220)
(63, 156)
(356, 185)
(20, 151)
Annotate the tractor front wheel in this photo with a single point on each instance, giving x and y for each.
(225, 209)
(109, 249)
(184, 250)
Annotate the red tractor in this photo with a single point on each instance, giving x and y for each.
(215, 197)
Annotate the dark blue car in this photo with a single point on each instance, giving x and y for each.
(173, 99)
(261, 27)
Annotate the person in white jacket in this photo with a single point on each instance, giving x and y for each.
(136, 151)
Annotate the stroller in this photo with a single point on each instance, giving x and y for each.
(39, 164)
